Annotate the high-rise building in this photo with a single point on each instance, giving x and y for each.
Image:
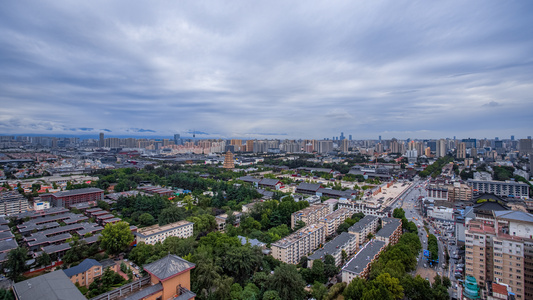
(249, 145)
(228, 161)
(525, 147)
(101, 141)
(441, 148)
(512, 137)
(394, 146)
(379, 148)
(350, 137)
(345, 145)
(342, 136)
(498, 247)
(461, 150)
(177, 139)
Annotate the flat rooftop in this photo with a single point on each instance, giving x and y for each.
(156, 229)
(287, 241)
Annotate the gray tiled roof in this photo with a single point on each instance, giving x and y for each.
(7, 245)
(332, 246)
(357, 227)
(359, 262)
(514, 215)
(389, 228)
(82, 267)
(51, 286)
(168, 266)
(308, 186)
(268, 181)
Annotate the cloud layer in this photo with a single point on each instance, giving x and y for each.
(276, 69)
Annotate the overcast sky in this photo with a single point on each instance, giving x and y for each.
(268, 69)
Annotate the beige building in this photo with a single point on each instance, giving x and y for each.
(222, 220)
(390, 232)
(229, 163)
(461, 150)
(310, 215)
(153, 234)
(302, 242)
(335, 219)
(459, 192)
(499, 248)
(361, 229)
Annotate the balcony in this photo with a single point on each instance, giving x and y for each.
(184, 294)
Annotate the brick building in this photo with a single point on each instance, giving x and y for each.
(70, 197)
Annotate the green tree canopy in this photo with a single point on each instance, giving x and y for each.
(116, 237)
(16, 263)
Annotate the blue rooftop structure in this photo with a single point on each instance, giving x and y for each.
(82, 267)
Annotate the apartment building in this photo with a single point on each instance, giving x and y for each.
(153, 234)
(344, 242)
(390, 232)
(459, 192)
(12, 202)
(310, 215)
(361, 229)
(359, 265)
(500, 188)
(499, 248)
(335, 219)
(302, 242)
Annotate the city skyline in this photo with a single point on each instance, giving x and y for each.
(268, 70)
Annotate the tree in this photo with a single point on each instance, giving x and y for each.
(271, 295)
(319, 291)
(330, 267)
(6, 295)
(16, 263)
(242, 262)
(250, 292)
(116, 237)
(146, 219)
(303, 261)
(287, 282)
(43, 260)
(171, 215)
(391, 284)
(318, 271)
(355, 289)
(344, 256)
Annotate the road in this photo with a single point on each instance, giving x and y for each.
(411, 206)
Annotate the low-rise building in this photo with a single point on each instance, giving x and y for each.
(67, 198)
(153, 234)
(500, 188)
(222, 220)
(51, 286)
(85, 273)
(359, 265)
(291, 248)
